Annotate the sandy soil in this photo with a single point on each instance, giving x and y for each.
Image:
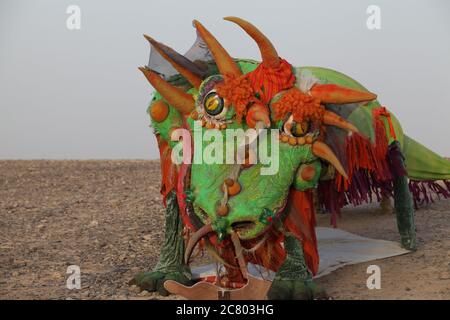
(107, 217)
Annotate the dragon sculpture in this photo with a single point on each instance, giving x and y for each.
(335, 141)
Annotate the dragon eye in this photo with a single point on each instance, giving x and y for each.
(213, 104)
(299, 129)
(298, 133)
(296, 129)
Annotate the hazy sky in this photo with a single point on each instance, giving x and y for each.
(78, 93)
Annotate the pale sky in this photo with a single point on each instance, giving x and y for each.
(77, 94)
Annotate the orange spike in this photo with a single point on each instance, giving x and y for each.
(332, 93)
(176, 97)
(223, 60)
(189, 75)
(332, 119)
(268, 53)
(321, 150)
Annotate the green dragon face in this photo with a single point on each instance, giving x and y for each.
(241, 197)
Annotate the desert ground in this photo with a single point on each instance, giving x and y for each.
(107, 217)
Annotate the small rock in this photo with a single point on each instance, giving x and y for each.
(147, 237)
(134, 288)
(444, 276)
(93, 224)
(144, 293)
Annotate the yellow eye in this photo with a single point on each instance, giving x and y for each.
(213, 104)
(299, 129)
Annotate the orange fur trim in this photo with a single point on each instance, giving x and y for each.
(239, 93)
(301, 105)
(362, 154)
(268, 81)
(382, 111)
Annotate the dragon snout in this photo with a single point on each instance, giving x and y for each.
(241, 226)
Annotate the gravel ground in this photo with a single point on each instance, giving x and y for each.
(107, 218)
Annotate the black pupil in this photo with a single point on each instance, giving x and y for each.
(299, 129)
(213, 104)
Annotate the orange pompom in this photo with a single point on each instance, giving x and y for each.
(159, 111)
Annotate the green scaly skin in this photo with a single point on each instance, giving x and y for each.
(265, 195)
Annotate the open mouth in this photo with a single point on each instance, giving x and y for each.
(243, 226)
(247, 228)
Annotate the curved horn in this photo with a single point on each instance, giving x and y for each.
(268, 53)
(332, 93)
(238, 250)
(176, 97)
(223, 60)
(200, 233)
(321, 150)
(332, 119)
(183, 65)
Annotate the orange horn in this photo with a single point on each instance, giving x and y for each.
(332, 119)
(321, 150)
(331, 93)
(223, 60)
(165, 51)
(176, 97)
(268, 53)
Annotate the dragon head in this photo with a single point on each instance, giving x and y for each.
(224, 198)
